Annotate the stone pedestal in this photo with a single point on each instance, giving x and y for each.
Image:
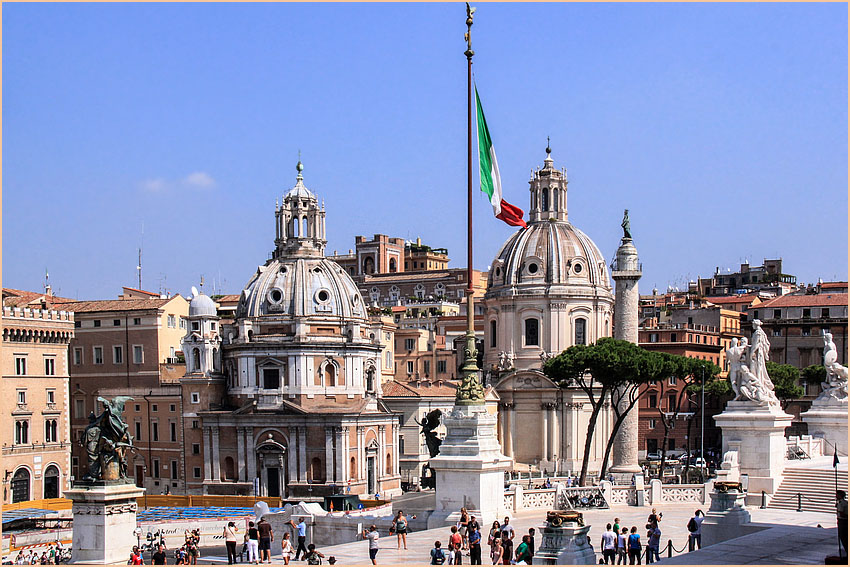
(757, 432)
(725, 518)
(104, 521)
(827, 419)
(566, 544)
(470, 468)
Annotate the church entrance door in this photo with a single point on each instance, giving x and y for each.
(273, 482)
(370, 475)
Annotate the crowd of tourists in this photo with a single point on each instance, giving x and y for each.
(623, 545)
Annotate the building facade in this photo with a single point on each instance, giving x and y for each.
(302, 414)
(549, 289)
(34, 397)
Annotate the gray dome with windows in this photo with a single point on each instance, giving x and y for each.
(302, 287)
(202, 305)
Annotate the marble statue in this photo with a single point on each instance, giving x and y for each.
(430, 423)
(106, 440)
(748, 369)
(546, 356)
(506, 361)
(835, 386)
(627, 227)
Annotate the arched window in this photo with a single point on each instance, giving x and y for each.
(304, 233)
(555, 199)
(389, 464)
(293, 227)
(330, 375)
(51, 482)
(352, 468)
(229, 469)
(196, 360)
(21, 486)
(532, 332)
(492, 333)
(368, 265)
(544, 201)
(393, 266)
(370, 380)
(22, 435)
(581, 331)
(317, 473)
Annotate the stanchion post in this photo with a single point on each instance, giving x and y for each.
(763, 500)
(669, 548)
(799, 502)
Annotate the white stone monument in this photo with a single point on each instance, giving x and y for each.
(564, 541)
(104, 522)
(727, 514)
(470, 468)
(827, 417)
(753, 424)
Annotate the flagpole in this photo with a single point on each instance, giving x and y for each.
(470, 391)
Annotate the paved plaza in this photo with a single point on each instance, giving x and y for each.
(789, 538)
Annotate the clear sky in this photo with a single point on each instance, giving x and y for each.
(722, 127)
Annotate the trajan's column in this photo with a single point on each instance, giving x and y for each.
(626, 273)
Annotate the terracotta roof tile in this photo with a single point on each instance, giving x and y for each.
(22, 298)
(820, 299)
(748, 298)
(833, 285)
(112, 305)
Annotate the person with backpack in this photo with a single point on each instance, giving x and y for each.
(695, 531)
(313, 557)
(438, 556)
(622, 546)
(653, 542)
(634, 547)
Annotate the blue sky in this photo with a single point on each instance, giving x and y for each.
(722, 127)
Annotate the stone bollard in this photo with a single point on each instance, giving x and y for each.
(727, 514)
(655, 492)
(518, 490)
(607, 489)
(565, 540)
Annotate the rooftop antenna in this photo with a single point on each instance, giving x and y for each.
(139, 266)
(47, 288)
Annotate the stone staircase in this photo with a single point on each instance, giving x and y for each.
(815, 485)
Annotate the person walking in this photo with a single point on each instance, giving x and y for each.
(438, 556)
(301, 528)
(230, 542)
(266, 538)
(609, 545)
(653, 542)
(507, 541)
(496, 550)
(495, 536)
(634, 547)
(841, 517)
(475, 545)
(695, 531)
(531, 533)
(463, 526)
(523, 555)
(159, 557)
(622, 546)
(253, 543)
(471, 525)
(286, 548)
(372, 535)
(400, 528)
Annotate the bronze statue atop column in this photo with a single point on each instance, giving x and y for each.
(106, 440)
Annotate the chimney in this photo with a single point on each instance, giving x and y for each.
(418, 241)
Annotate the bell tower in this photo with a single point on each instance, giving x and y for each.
(300, 222)
(548, 188)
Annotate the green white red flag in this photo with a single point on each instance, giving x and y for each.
(491, 182)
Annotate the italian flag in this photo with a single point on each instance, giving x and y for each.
(491, 183)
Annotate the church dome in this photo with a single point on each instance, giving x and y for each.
(201, 305)
(550, 253)
(302, 287)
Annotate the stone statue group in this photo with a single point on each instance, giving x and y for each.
(835, 386)
(748, 368)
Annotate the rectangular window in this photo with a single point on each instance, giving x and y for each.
(672, 337)
(492, 334)
(174, 470)
(138, 408)
(78, 356)
(79, 408)
(671, 381)
(21, 365)
(96, 323)
(271, 378)
(97, 355)
(427, 367)
(173, 429)
(196, 448)
(137, 320)
(196, 472)
(156, 468)
(671, 402)
(138, 431)
(118, 354)
(50, 431)
(389, 359)
(212, 325)
(172, 408)
(807, 331)
(22, 432)
(116, 322)
(652, 423)
(22, 397)
(51, 396)
(653, 337)
(441, 367)
(172, 321)
(410, 367)
(807, 313)
(196, 326)
(195, 398)
(196, 424)
(154, 407)
(138, 354)
(182, 323)
(532, 337)
(824, 312)
(580, 331)
(78, 324)
(409, 344)
(49, 366)
(155, 430)
(777, 332)
(653, 401)
(777, 313)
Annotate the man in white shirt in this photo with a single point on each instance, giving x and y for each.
(695, 529)
(372, 535)
(609, 545)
